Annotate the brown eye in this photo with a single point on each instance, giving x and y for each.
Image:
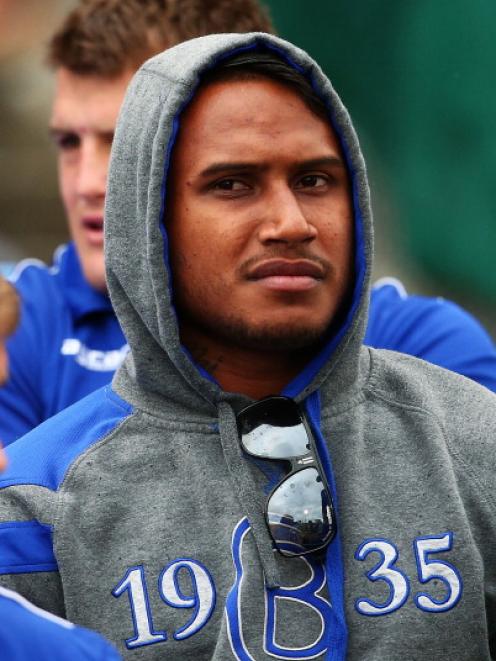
(312, 181)
(230, 185)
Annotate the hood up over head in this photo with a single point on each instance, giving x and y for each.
(136, 246)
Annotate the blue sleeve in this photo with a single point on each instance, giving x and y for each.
(27, 633)
(433, 329)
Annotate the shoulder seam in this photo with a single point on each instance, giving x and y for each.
(59, 509)
(52, 269)
(391, 282)
(58, 514)
(25, 264)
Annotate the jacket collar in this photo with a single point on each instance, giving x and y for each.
(83, 299)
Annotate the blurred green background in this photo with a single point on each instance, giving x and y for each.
(417, 77)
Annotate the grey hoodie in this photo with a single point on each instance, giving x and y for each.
(134, 512)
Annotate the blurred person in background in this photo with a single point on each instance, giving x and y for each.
(69, 342)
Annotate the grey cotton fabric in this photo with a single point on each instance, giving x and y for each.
(159, 539)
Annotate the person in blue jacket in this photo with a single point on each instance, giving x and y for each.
(69, 342)
(434, 329)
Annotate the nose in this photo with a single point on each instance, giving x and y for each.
(284, 219)
(92, 170)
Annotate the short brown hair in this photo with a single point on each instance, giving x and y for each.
(105, 37)
(9, 308)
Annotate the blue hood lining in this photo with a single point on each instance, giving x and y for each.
(295, 387)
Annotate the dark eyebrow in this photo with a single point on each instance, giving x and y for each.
(219, 168)
(325, 161)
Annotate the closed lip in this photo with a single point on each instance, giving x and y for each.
(285, 267)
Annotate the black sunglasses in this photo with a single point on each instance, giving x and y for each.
(299, 510)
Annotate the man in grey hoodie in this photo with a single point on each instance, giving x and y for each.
(69, 341)
(185, 511)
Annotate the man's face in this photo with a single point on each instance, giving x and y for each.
(83, 120)
(259, 218)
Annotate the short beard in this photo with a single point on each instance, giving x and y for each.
(279, 338)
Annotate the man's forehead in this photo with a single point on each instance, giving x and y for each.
(79, 99)
(213, 97)
(228, 117)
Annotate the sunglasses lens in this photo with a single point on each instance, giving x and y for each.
(273, 430)
(299, 510)
(299, 514)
